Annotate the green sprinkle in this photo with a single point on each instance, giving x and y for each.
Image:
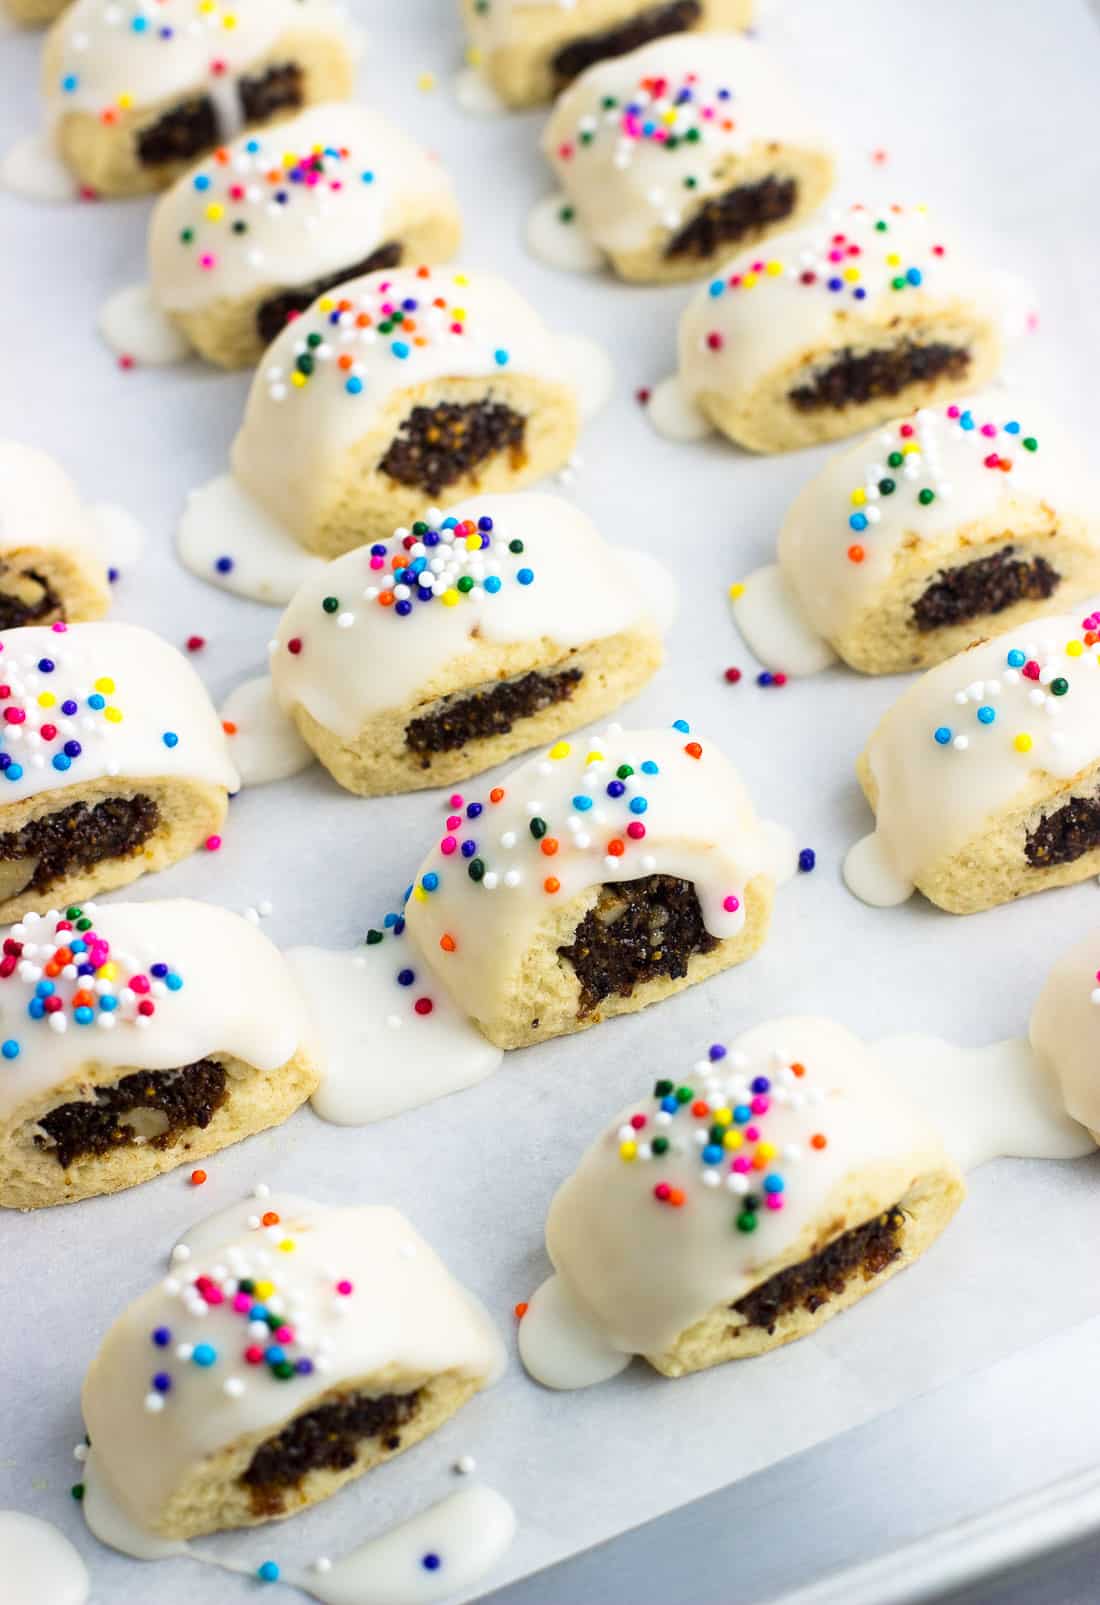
(691, 183)
(1030, 443)
(515, 546)
(284, 1370)
(881, 226)
(624, 771)
(662, 1089)
(895, 459)
(659, 1145)
(331, 604)
(538, 828)
(926, 497)
(476, 870)
(374, 937)
(420, 528)
(746, 1221)
(313, 341)
(566, 214)
(1059, 687)
(305, 364)
(684, 1094)
(897, 284)
(187, 236)
(77, 1491)
(887, 487)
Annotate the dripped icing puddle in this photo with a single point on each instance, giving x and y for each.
(560, 1346)
(227, 539)
(476, 95)
(590, 370)
(775, 628)
(133, 325)
(870, 876)
(263, 741)
(555, 237)
(121, 538)
(33, 169)
(673, 413)
(39, 1563)
(388, 1037)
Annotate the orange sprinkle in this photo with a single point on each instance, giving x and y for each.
(344, 363)
(497, 794)
(385, 598)
(798, 1069)
(549, 845)
(856, 554)
(818, 1140)
(423, 273)
(551, 884)
(520, 1310)
(197, 1178)
(693, 749)
(363, 321)
(759, 1162)
(1005, 465)
(675, 1197)
(270, 1218)
(229, 727)
(447, 943)
(616, 848)
(699, 1108)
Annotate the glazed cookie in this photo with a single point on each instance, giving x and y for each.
(112, 762)
(529, 50)
(132, 100)
(281, 1358)
(534, 627)
(395, 388)
(191, 1053)
(50, 563)
(718, 1219)
(33, 13)
(595, 880)
(838, 327)
(955, 521)
(1065, 1031)
(983, 776)
(674, 155)
(249, 239)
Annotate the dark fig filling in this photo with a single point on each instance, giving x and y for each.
(152, 1107)
(191, 127)
(77, 837)
(987, 585)
(727, 218)
(273, 314)
(474, 716)
(866, 1251)
(674, 16)
(30, 600)
(1065, 835)
(854, 379)
(436, 446)
(325, 1439)
(637, 930)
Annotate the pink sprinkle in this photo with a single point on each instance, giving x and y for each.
(344, 1289)
(989, 430)
(59, 628)
(213, 843)
(208, 261)
(741, 1165)
(457, 800)
(139, 983)
(242, 1303)
(752, 1133)
(15, 715)
(952, 412)
(905, 431)
(774, 1200)
(731, 904)
(662, 1190)
(377, 562)
(454, 821)
(635, 830)
(284, 1334)
(448, 845)
(836, 256)
(760, 1104)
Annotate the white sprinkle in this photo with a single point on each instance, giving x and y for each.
(465, 1464)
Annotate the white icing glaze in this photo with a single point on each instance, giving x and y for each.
(556, 238)
(497, 23)
(40, 506)
(591, 373)
(697, 822)
(989, 1103)
(561, 1346)
(476, 95)
(841, 538)
(226, 990)
(776, 628)
(107, 61)
(32, 168)
(377, 1055)
(450, 1546)
(263, 742)
(718, 96)
(222, 522)
(401, 1316)
(870, 875)
(732, 337)
(673, 413)
(935, 742)
(1065, 1029)
(40, 1564)
(132, 691)
(350, 664)
(133, 325)
(642, 1269)
(292, 433)
(315, 194)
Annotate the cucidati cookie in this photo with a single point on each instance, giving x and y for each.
(529, 50)
(133, 98)
(603, 876)
(718, 1217)
(112, 762)
(674, 156)
(838, 327)
(51, 564)
(246, 241)
(287, 1352)
(33, 13)
(393, 390)
(472, 637)
(984, 775)
(957, 520)
(138, 1037)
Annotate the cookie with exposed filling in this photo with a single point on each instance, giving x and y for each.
(51, 560)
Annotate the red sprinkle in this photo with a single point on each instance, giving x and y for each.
(423, 1005)
(733, 676)
(197, 1178)
(195, 643)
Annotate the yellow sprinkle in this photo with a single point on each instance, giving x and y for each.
(766, 1150)
(229, 21)
(858, 498)
(894, 260)
(669, 117)
(1074, 649)
(46, 699)
(286, 1246)
(105, 685)
(773, 268)
(326, 305)
(748, 280)
(722, 1117)
(107, 972)
(113, 715)
(461, 278)
(215, 212)
(852, 275)
(594, 757)
(909, 448)
(1023, 742)
(732, 1139)
(736, 590)
(420, 894)
(628, 1151)
(125, 102)
(298, 380)
(458, 314)
(451, 598)
(473, 543)
(426, 81)
(206, 6)
(473, 57)
(560, 749)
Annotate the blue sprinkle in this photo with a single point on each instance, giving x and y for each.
(764, 677)
(69, 706)
(83, 1015)
(967, 420)
(73, 749)
(47, 665)
(173, 981)
(492, 584)
(475, 810)
(485, 524)
(712, 1154)
(275, 1354)
(354, 386)
(1016, 659)
(304, 1367)
(525, 576)
(45, 989)
(681, 725)
(202, 182)
(224, 565)
(162, 1382)
(500, 358)
(268, 1572)
(669, 1105)
(162, 1336)
(400, 349)
(96, 701)
(760, 1084)
(61, 761)
(773, 1183)
(986, 714)
(807, 860)
(170, 738)
(469, 848)
(108, 1004)
(13, 772)
(36, 1009)
(69, 83)
(390, 919)
(615, 788)
(859, 294)
(742, 1114)
(835, 284)
(716, 1052)
(402, 608)
(650, 768)
(942, 735)
(139, 24)
(431, 1562)
(204, 1354)
(582, 804)
(1012, 428)
(368, 178)
(858, 521)
(716, 288)
(914, 275)
(399, 925)
(406, 977)
(10, 1049)
(638, 805)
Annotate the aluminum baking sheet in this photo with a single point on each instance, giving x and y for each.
(989, 117)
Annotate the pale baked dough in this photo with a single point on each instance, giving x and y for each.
(514, 42)
(34, 13)
(51, 558)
